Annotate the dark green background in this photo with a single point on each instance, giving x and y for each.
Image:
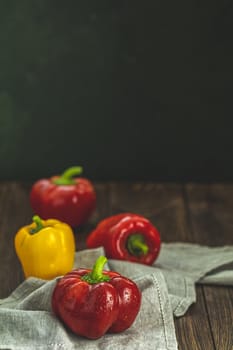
(131, 90)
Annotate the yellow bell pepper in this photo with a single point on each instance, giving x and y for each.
(45, 248)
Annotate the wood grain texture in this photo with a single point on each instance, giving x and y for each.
(102, 210)
(14, 213)
(162, 204)
(192, 329)
(211, 220)
(219, 304)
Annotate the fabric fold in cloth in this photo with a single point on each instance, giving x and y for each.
(168, 289)
(183, 265)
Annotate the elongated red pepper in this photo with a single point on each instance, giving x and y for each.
(127, 236)
(93, 302)
(67, 197)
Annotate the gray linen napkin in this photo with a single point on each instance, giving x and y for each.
(27, 321)
(168, 288)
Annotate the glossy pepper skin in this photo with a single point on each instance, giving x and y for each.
(127, 236)
(45, 248)
(68, 198)
(93, 302)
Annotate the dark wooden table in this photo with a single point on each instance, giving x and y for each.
(196, 213)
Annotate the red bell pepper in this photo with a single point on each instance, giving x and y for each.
(68, 198)
(127, 236)
(93, 302)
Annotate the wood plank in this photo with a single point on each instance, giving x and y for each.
(192, 329)
(162, 204)
(102, 210)
(219, 301)
(15, 212)
(165, 206)
(211, 208)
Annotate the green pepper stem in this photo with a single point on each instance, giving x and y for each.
(39, 225)
(96, 275)
(98, 267)
(136, 245)
(66, 177)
